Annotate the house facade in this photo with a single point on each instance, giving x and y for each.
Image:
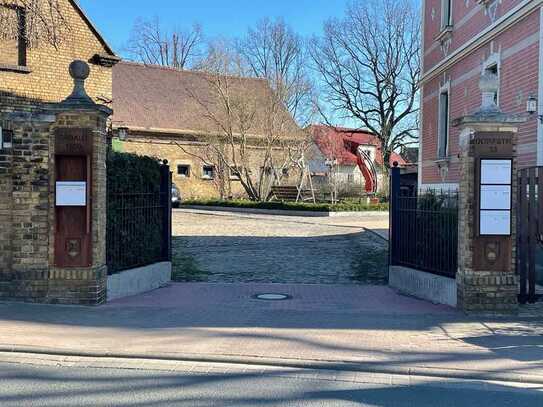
(38, 73)
(332, 162)
(462, 40)
(177, 116)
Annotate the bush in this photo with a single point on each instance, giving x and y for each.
(319, 207)
(134, 213)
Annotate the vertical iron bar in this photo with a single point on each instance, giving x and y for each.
(532, 238)
(522, 250)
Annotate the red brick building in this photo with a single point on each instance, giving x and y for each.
(461, 40)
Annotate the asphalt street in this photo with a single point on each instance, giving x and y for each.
(67, 384)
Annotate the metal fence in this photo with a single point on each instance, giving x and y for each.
(530, 231)
(139, 226)
(424, 229)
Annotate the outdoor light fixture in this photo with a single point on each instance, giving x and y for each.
(531, 107)
(123, 132)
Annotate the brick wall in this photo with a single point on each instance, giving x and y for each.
(517, 49)
(49, 79)
(27, 215)
(190, 153)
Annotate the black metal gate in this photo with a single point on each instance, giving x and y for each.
(423, 228)
(529, 230)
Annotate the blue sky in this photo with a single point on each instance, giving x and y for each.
(114, 18)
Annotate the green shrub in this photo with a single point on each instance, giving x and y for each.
(319, 207)
(134, 215)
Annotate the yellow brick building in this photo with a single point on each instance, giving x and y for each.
(39, 72)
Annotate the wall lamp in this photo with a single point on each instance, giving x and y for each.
(531, 107)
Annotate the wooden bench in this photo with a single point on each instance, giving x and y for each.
(288, 193)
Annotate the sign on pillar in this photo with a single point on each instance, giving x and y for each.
(493, 153)
(73, 206)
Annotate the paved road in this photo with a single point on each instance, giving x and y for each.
(223, 247)
(370, 327)
(70, 384)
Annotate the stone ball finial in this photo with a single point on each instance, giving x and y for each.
(79, 70)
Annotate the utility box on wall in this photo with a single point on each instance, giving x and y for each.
(73, 205)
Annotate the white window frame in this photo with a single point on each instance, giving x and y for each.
(204, 176)
(494, 60)
(183, 165)
(446, 22)
(445, 89)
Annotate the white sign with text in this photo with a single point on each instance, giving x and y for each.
(496, 172)
(71, 193)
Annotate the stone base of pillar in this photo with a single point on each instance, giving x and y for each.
(487, 291)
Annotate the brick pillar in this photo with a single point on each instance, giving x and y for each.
(29, 267)
(486, 279)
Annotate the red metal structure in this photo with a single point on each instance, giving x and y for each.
(366, 165)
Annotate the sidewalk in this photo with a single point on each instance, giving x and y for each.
(363, 328)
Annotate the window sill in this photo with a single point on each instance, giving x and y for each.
(207, 178)
(444, 33)
(15, 68)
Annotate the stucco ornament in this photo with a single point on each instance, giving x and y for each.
(465, 137)
(489, 85)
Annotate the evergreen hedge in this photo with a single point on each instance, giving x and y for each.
(134, 215)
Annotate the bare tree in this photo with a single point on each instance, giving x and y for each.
(370, 65)
(256, 141)
(272, 50)
(33, 21)
(150, 43)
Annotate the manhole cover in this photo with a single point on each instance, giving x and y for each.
(272, 297)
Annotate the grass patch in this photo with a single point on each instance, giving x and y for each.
(292, 206)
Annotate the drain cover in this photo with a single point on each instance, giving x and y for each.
(272, 297)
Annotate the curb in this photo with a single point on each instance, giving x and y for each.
(338, 366)
(282, 212)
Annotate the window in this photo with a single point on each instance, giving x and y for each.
(493, 69)
(235, 173)
(350, 178)
(446, 13)
(13, 43)
(443, 125)
(285, 172)
(208, 172)
(183, 170)
(6, 138)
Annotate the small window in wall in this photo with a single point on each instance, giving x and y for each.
(493, 69)
(446, 13)
(443, 134)
(208, 172)
(285, 172)
(350, 178)
(13, 39)
(235, 173)
(183, 170)
(6, 138)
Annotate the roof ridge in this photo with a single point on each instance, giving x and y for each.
(188, 71)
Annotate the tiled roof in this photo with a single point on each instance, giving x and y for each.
(154, 97)
(333, 143)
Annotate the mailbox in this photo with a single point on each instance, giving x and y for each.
(73, 200)
(492, 243)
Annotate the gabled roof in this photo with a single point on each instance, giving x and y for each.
(92, 27)
(333, 142)
(160, 99)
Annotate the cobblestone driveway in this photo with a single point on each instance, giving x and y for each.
(226, 247)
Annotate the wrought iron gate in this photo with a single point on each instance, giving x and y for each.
(529, 230)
